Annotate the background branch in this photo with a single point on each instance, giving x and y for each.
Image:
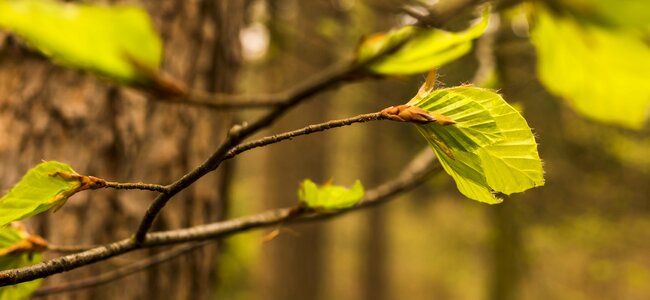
(120, 272)
(69, 248)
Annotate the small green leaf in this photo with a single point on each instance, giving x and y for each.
(601, 72)
(115, 41)
(328, 197)
(424, 48)
(39, 190)
(9, 238)
(490, 149)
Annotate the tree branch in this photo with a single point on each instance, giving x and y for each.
(416, 172)
(292, 97)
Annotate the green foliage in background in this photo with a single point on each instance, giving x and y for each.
(10, 237)
(38, 191)
(328, 197)
(616, 14)
(490, 149)
(600, 62)
(424, 48)
(115, 41)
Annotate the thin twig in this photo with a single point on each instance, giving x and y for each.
(118, 273)
(303, 131)
(420, 168)
(137, 186)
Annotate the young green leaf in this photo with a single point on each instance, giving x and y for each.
(474, 127)
(45, 186)
(601, 72)
(18, 249)
(489, 149)
(423, 49)
(115, 41)
(328, 197)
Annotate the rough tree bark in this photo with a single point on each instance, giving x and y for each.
(51, 113)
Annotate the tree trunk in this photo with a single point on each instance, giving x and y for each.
(51, 113)
(295, 260)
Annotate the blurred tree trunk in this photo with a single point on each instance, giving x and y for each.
(508, 260)
(512, 61)
(295, 260)
(52, 113)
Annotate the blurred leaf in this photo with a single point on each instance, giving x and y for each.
(116, 41)
(39, 190)
(617, 14)
(424, 48)
(10, 238)
(603, 74)
(489, 149)
(329, 197)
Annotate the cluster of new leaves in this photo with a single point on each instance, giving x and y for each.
(46, 186)
(19, 249)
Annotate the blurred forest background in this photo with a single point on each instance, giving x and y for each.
(584, 235)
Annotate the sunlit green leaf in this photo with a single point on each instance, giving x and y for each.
(115, 41)
(424, 48)
(39, 190)
(474, 126)
(10, 237)
(329, 197)
(512, 164)
(490, 149)
(602, 73)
